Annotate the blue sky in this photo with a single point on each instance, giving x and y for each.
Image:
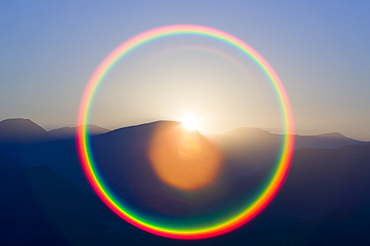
(320, 49)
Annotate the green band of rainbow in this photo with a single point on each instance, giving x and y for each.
(85, 152)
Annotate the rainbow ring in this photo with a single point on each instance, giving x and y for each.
(85, 151)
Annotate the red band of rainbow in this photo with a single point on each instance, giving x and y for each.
(85, 152)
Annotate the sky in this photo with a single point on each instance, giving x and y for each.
(319, 49)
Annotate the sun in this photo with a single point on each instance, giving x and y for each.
(190, 123)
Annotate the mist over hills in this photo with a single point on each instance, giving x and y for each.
(47, 200)
(326, 141)
(245, 135)
(70, 132)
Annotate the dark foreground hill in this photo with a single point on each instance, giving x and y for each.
(325, 180)
(45, 199)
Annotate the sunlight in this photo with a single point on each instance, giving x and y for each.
(190, 123)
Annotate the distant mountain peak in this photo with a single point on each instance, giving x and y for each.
(332, 135)
(22, 130)
(17, 121)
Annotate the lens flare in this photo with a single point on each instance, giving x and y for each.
(206, 229)
(184, 159)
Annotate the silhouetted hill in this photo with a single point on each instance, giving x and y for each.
(239, 137)
(322, 181)
(45, 198)
(251, 149)
(122, 168)
(5, 159)
(70, 132)
(44, 208)
(325, 141)
(245, 150)
(22, 131)
(40, 207)
(248, 149)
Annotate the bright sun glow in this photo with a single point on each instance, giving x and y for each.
(190, 123)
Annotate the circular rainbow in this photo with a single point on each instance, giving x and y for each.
(85, 152)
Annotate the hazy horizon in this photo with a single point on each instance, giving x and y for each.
(272, 131)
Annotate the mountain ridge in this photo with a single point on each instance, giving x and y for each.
(325, 191)
(70, 132)
(333, 139)
(22, 130)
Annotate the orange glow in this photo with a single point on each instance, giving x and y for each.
(184, 158)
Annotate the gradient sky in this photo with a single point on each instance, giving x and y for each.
(320, 50)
